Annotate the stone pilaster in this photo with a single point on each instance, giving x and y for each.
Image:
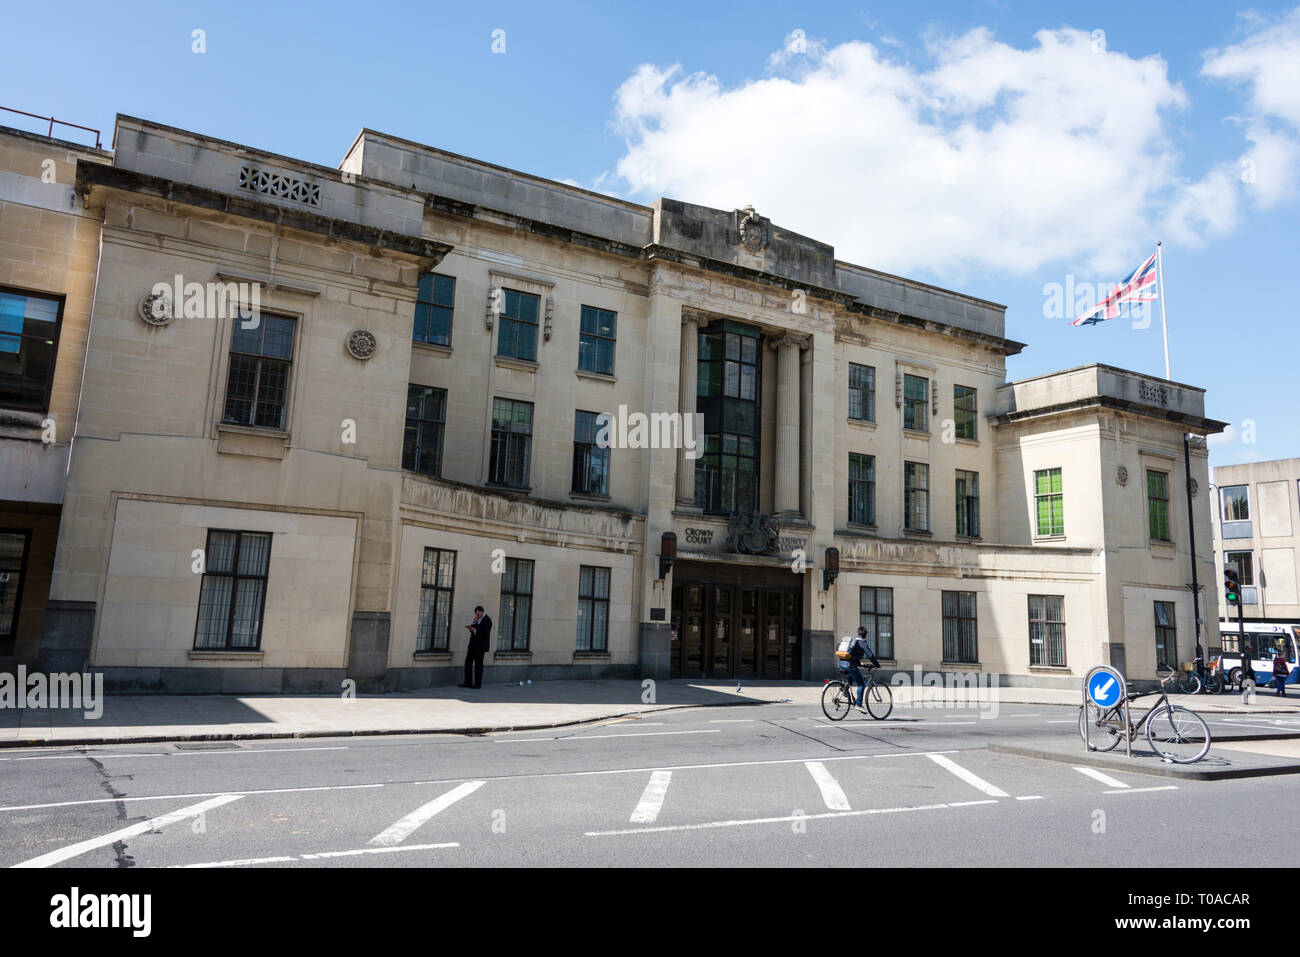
(686, 400)
(786, 499)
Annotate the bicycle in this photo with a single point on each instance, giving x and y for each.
(1174, 732)
(839, 694)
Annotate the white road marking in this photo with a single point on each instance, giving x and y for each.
(153, 824)
(376, 850)
(652, 798)
(781, 820)
(1167, 787)
(251, 792)
(167, 754)
(1062, 721)
(970, 778)
(1030, 797)
(312, 857)
(731, 720)
(1105, 779)
(832, 793)
(402, 829)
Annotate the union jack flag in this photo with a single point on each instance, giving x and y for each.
(1140, 286)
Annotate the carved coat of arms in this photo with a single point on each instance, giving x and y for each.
(753, 231)
(752, 534)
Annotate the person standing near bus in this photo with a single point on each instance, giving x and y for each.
(1281, 670)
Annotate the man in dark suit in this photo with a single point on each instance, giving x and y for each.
(480, 635)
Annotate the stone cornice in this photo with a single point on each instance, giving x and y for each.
(1194, 423)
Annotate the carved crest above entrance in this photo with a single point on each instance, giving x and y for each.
(752, 534)
(754, 230)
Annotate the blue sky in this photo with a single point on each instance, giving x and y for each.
(993, 148)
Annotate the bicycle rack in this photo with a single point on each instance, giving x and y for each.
(1104, 688)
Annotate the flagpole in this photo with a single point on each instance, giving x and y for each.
(1164, 321)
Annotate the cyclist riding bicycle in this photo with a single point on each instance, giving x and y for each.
(858, 650)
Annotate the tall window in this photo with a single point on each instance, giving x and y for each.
(726, 476)
(916, 403)
(862, 489)
(960, 640)
(437, 586)
(29, 336)
(1236, 503)
(968, 504)
(963, 406)
(596, 340)
(1245, 565)
(593, 608)
(916, 497)
(426, 413)
(1166, 636)
(512, 442)
(862, 392)
(13, 568)
(516, 605)
(1047, 630)
(1049, 503)
(517, 337)
(876, 614)
(435, 299)
(257, 387)
(590, 461)
(232, 597)
(1158, 505)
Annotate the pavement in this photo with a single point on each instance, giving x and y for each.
(496, 707)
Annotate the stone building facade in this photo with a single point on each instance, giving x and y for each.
(316, 415)
(1255, 511)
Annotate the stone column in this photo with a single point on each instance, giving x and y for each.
(686, 389)
(786, 498)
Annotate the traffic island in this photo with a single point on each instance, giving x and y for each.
(1235, 757)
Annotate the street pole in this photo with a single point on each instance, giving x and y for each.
(1191, 537)
(1164, 322)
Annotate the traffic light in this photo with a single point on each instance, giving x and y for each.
(1231, 586)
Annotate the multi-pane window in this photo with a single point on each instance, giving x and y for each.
(257, 387)
(512, 441)
(593, 608)
(13, 567)
(916, 497)
(435, 298)
(596, 340)
(437, 586)
(1047, 630)
(1245, 566)
(916, 403)
(517, 337)
(29, 335)
(968, 504)
(963, 409)
(960, 639)
(1049, 504)
(590, 460)
(1236, 503)
(1166, 643)
(862, 489)
(426, 413)
(232, 597)
(1158, 505)
(726, 476)
(516, 605)
(876, 614)
(862, 392)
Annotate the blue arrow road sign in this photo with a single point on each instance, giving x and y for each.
(1103, 689)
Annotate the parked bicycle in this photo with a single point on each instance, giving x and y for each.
(840, 693)
(1174, 732)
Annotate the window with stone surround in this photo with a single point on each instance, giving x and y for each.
(512, 443)
(876, 614)
(916, 497)
(426, 413)
(862, 489)
(916, 403)
(1158, 505)
(593, 608)
(437, 589)
(963, 406)
(1049, 506)
(862, 392)
(960, 634)
(517, 335)
(232, 596)
(435, 300)
(515, 620)
(596, 340)
(1047, 630)
(257, 383)
(1166, 636)
(590, 459)
(967, 488)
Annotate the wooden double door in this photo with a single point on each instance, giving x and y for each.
(729, 629)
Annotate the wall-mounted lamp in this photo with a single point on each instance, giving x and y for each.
(832, 569)
(667, 553)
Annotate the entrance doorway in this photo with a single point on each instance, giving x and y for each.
(727, 628)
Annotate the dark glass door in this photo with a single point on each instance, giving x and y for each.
(720, 635)
(746, 664)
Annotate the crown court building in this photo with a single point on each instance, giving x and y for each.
(404, 425)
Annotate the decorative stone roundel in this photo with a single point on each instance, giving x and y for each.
(361, 343)
(156, 310)
(1121, 475)
(1194, 485)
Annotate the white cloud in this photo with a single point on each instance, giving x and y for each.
(1268, 62)
(991, 157)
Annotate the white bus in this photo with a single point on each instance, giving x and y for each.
(1262, 640)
